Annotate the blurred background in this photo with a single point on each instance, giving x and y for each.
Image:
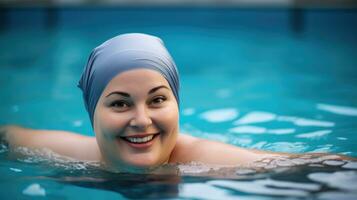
(53, 13)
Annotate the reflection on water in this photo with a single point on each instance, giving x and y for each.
(255, 117)
(34, 190)
(294, 134)
(302, 177)
(220, 115)
(341, 110)
(315, 134)
(306, 122)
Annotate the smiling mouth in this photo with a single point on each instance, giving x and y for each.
(140, 139)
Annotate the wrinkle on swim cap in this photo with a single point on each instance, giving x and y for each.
(121, 53)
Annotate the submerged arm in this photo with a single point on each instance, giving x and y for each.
(61, 142)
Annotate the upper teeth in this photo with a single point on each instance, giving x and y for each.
(140, 140)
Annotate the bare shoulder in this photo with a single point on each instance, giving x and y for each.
(193, 149)
(183, 147)
(92, 152)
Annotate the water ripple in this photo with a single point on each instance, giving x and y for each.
(337, 195)
(258, 187)
(350, 165)
(345, 180)
(34, 189)
(286, 147)
(255, 117)
(220, 115)
(248, 129)
(340, 110)
(203, 191)
(305, 122)
(261, 130)
(314, 135)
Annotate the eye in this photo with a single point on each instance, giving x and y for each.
(158, 100)
(121, 105)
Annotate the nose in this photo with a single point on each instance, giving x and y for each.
(141, 119)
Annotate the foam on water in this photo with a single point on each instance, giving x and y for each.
(297, 160)
(269, 163)
(48, 157)
(257, 179)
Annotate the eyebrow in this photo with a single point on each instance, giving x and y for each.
(128, 95)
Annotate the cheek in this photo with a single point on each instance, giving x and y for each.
(109, 124)
(168, 117)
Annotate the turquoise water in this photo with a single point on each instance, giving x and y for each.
(247, 79)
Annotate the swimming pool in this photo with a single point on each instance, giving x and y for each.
(247, 79)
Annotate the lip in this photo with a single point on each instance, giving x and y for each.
(139, 145)
(140, 135)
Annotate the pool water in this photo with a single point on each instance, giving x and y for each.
(247, 79)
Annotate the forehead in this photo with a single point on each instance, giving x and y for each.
(136, 79)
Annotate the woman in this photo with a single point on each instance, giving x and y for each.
(130, 88)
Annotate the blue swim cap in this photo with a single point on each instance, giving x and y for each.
(121, 53)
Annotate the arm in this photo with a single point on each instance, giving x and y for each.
(190, 148)
(61, 142)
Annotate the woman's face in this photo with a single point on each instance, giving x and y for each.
(136, 120)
